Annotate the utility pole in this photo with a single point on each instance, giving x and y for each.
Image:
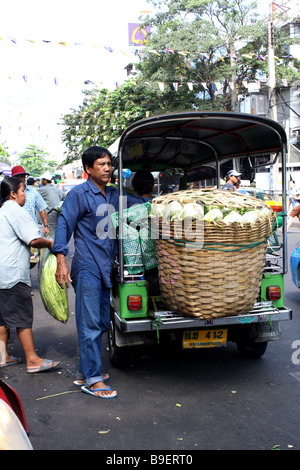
(272, 90)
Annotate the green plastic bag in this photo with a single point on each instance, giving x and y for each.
(55, 299)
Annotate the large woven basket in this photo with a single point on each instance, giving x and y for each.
(218, 278)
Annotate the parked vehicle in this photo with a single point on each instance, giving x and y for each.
(276, 206)
(295, 266)
(184, 142)
(68, 184)
(13, 426)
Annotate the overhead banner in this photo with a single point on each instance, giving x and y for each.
(137, 35)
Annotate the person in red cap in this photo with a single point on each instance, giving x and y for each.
(34, 200)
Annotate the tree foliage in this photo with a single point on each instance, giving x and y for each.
(34, 160)
(206, 34)
(4, 155)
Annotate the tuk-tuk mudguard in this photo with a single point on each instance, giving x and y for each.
(295, 266)
(133, 288)
(272, 280)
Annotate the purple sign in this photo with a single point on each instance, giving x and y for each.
(137, 35)
(5, 169)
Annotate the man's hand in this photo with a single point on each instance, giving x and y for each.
(62, 274)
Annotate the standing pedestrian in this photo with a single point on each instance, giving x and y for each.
(34, 201)
(84, 214)
(18, 232)
(52, 196)
(232, 180)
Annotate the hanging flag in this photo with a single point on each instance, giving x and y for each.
(25, 78)
(153, 52)
(185, 53)
(117, 85)
(147, 83)
(204, 85)
(205, 55)
(190, 85)
(55, 81)
(161, 86)
(284, 81)
(109, 49)
(231, 84)
(175, 85)
(169, 51)
(233, 56)
(261, 57)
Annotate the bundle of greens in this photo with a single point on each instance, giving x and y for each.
(212, 205)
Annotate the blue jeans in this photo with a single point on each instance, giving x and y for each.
(92, 306)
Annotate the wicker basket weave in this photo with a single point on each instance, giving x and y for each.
(220, 278)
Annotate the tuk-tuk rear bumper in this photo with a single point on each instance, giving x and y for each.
(263, 312)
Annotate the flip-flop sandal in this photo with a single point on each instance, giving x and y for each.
(80, 383)
(46, 365)
(13, 361)
(91, 391)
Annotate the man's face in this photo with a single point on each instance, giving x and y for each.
(234, 180)
(100, 173)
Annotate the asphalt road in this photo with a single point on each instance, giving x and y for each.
(169, 401)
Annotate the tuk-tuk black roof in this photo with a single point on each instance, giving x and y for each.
(187, 140)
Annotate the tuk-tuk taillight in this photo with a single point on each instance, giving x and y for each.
(273, 293)
(134, 302)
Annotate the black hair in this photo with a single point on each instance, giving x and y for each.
(92, 154)
(143, 182)
(9, 184)
(30, 181)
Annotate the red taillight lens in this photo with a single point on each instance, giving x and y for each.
(273, 293)
(276, 208)
(134, 302)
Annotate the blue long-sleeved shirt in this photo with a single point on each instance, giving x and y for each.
(85, 212)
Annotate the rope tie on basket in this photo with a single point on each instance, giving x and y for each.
(210, 245)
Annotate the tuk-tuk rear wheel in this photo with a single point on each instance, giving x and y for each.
(119, 357)
(248, 348)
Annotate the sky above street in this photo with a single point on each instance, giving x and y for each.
(48, 49)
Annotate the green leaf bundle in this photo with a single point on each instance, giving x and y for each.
(55, 298)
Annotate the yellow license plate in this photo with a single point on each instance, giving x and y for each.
(204, 338)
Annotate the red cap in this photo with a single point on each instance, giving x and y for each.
(18, 170)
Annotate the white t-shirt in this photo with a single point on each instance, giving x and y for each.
(17, 230)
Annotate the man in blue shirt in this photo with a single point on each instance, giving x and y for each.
(34, 201)
(85, 213)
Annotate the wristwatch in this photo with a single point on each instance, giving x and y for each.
(46, 226)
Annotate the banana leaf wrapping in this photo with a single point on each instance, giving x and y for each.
(55, 299)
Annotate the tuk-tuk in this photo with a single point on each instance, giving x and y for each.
(187, 145)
